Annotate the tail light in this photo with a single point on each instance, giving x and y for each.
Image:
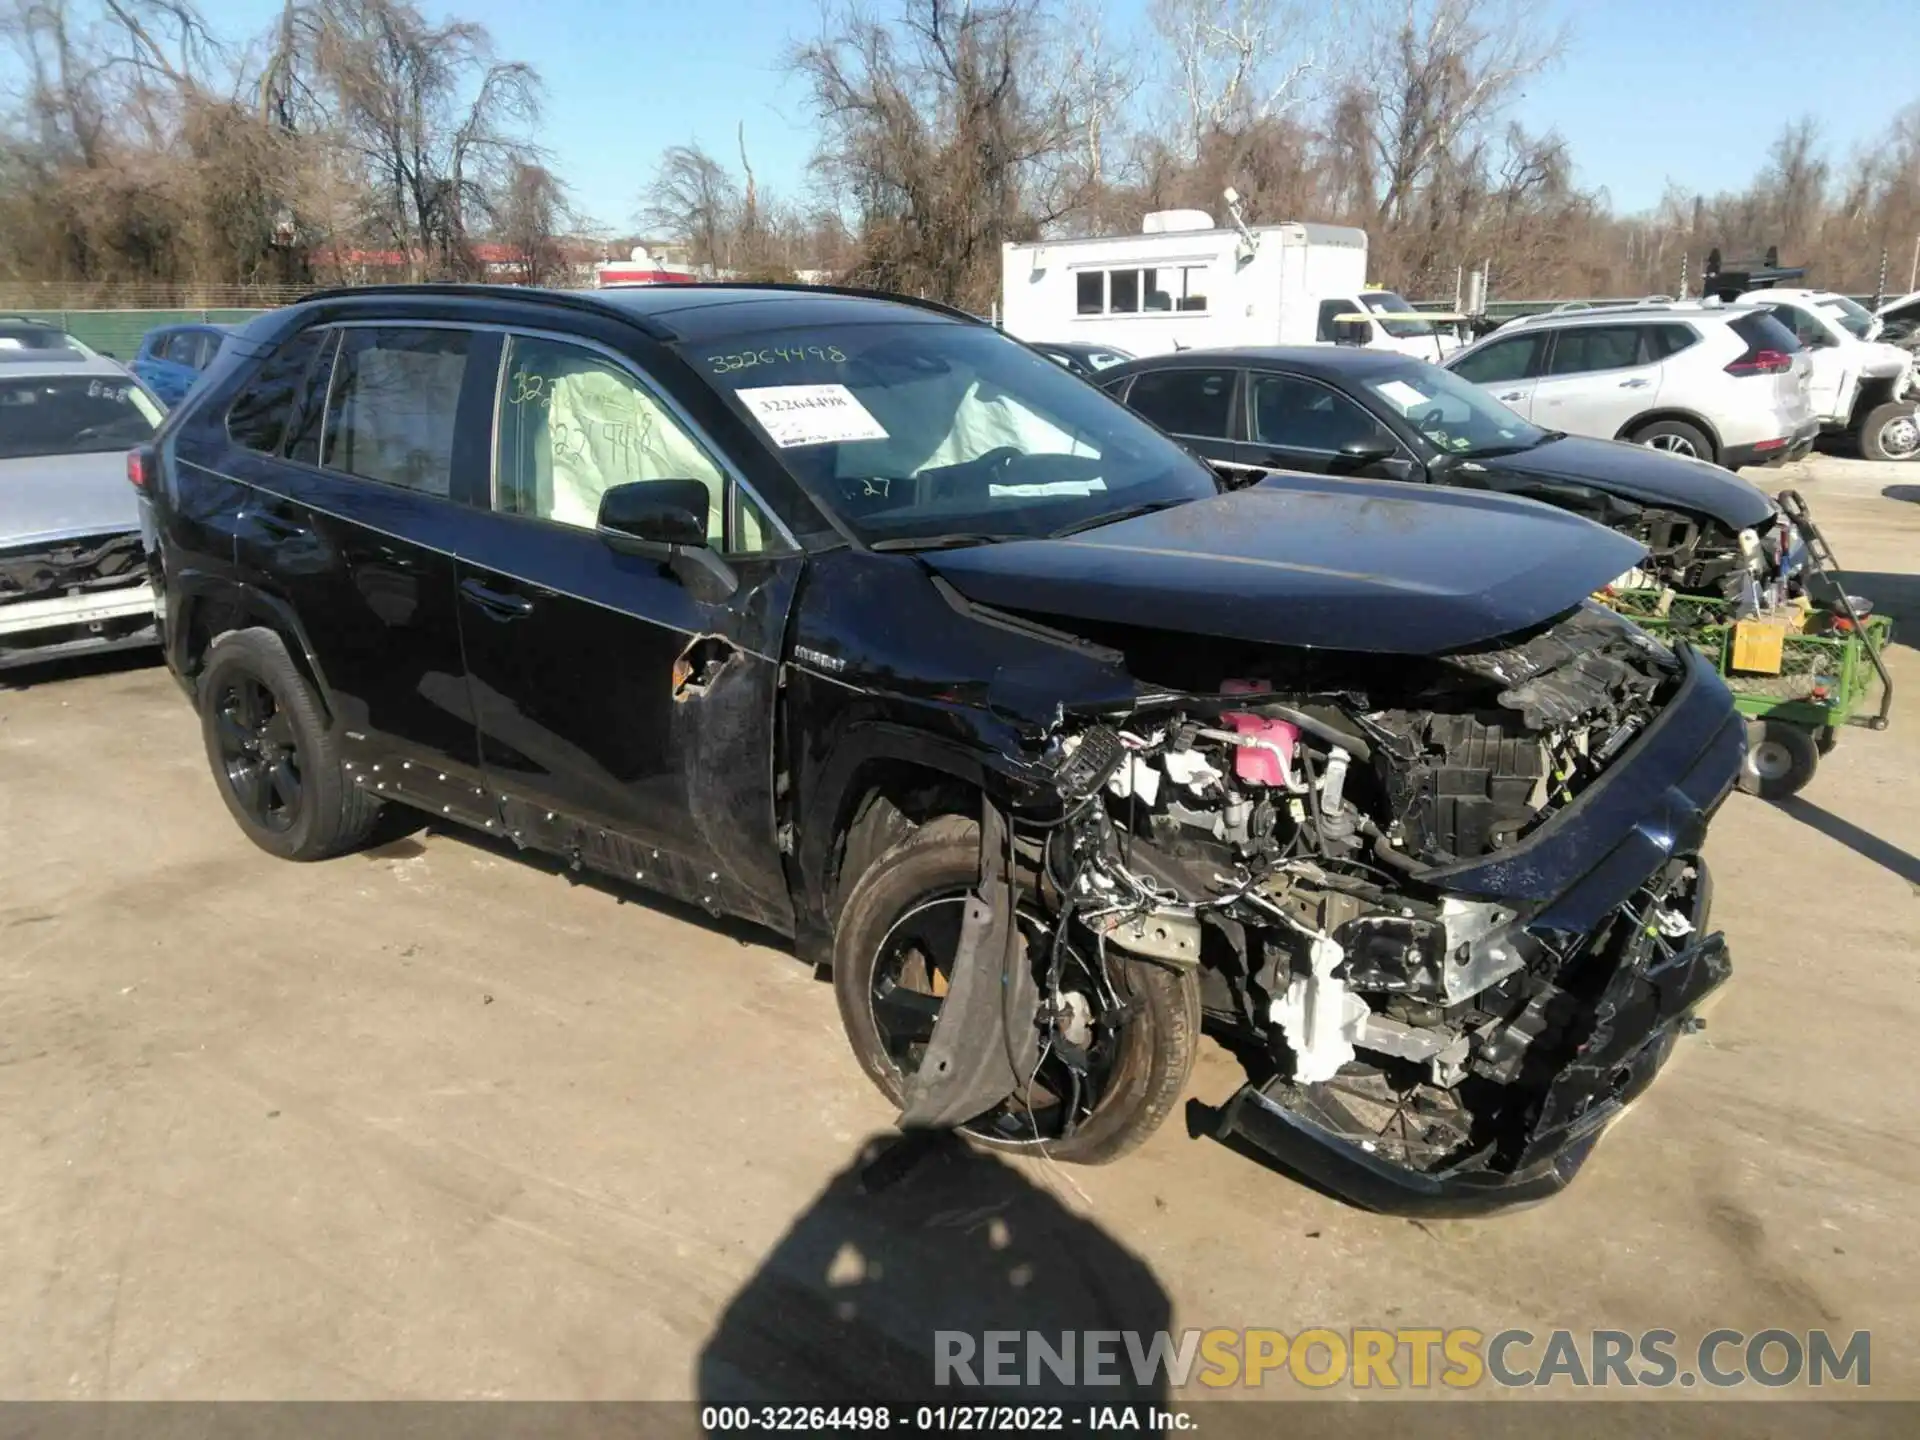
(1761, 362)
(142, 466)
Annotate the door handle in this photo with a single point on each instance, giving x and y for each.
(273, 525)
(1634, 384)
(1512, 395)
(496, 603)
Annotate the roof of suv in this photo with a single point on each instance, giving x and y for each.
(1639, 310)
(679, 311)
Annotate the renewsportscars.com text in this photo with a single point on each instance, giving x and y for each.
(1402, 1358)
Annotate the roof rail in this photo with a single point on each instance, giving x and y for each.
(590, 299)
(794, 287)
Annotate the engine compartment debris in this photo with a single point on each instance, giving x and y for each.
(1295, 832)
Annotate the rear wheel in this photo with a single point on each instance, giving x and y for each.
(893, 953)
(276, 763)
(1890, 432)
(1781, 759)
(1676, 437)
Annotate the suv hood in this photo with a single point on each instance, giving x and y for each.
(1640, 474)
(59, 497)
(1306, 560)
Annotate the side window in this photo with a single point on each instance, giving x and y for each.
(1330, 313)
(1123, 292)
(1579, 349)
(1806, 329)
(1186, 402)
(205, 346)
(392, 406)
(1665, 340)
(1303, 414)
(258, 416)
(1091, 292)
(573, 424)
(1517, 358)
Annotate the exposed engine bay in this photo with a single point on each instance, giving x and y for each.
(1289, 829)
(89, 563)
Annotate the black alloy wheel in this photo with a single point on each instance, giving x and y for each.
(259, 752)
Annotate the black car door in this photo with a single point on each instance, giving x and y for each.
(1196, 404)
(1295, 422)
(351, 526)
(625, 720)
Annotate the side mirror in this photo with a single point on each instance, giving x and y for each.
(1369, 450)
(1352, 332)
(665, 520)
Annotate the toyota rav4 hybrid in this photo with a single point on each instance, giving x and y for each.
(857, 619)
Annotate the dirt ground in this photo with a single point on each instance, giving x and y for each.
(433, 1122)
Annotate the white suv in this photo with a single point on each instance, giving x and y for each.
(1860, 383)
(1722, 383)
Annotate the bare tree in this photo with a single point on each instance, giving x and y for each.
(1238, 63)
(1438, 71)
(951, 127)
(425, 115)
(693, 199)
(530, 217)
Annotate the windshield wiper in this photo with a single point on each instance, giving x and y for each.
(951, 541)
(1114, 517)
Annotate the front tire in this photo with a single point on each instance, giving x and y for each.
(1890, 432)
(1781, 759)
(1676, 437)
(274, 758)
(892, 948)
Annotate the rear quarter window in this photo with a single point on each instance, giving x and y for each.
(1763, 331)
(257, 419)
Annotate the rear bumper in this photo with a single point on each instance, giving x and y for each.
(32, 631)
(1772, 452)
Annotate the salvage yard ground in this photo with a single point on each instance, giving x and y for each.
(431, 1121)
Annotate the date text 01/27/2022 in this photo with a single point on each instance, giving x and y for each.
(940, 1419)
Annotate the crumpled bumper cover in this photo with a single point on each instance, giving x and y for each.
(1643, 1014)
(1577, 871)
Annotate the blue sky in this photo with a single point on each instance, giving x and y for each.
(1646, 92)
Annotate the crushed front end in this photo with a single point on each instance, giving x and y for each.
(73, 594)
(1449, 911)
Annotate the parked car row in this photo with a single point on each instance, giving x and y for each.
(1343, 411)
(853, 617)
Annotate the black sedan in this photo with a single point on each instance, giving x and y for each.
(1089, 362)
(1341, 410)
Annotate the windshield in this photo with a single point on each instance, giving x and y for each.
(1457, 416)
(914, 431)
(1385, 302)
(73, 415)
(1850, 314)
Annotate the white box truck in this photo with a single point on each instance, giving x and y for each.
(1184, 284)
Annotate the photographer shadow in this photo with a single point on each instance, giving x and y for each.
(884, 1289)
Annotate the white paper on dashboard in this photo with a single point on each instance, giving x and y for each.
(1050, 487)
(1403, 394)
(794, 415)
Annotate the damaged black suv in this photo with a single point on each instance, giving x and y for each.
(857, 619)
